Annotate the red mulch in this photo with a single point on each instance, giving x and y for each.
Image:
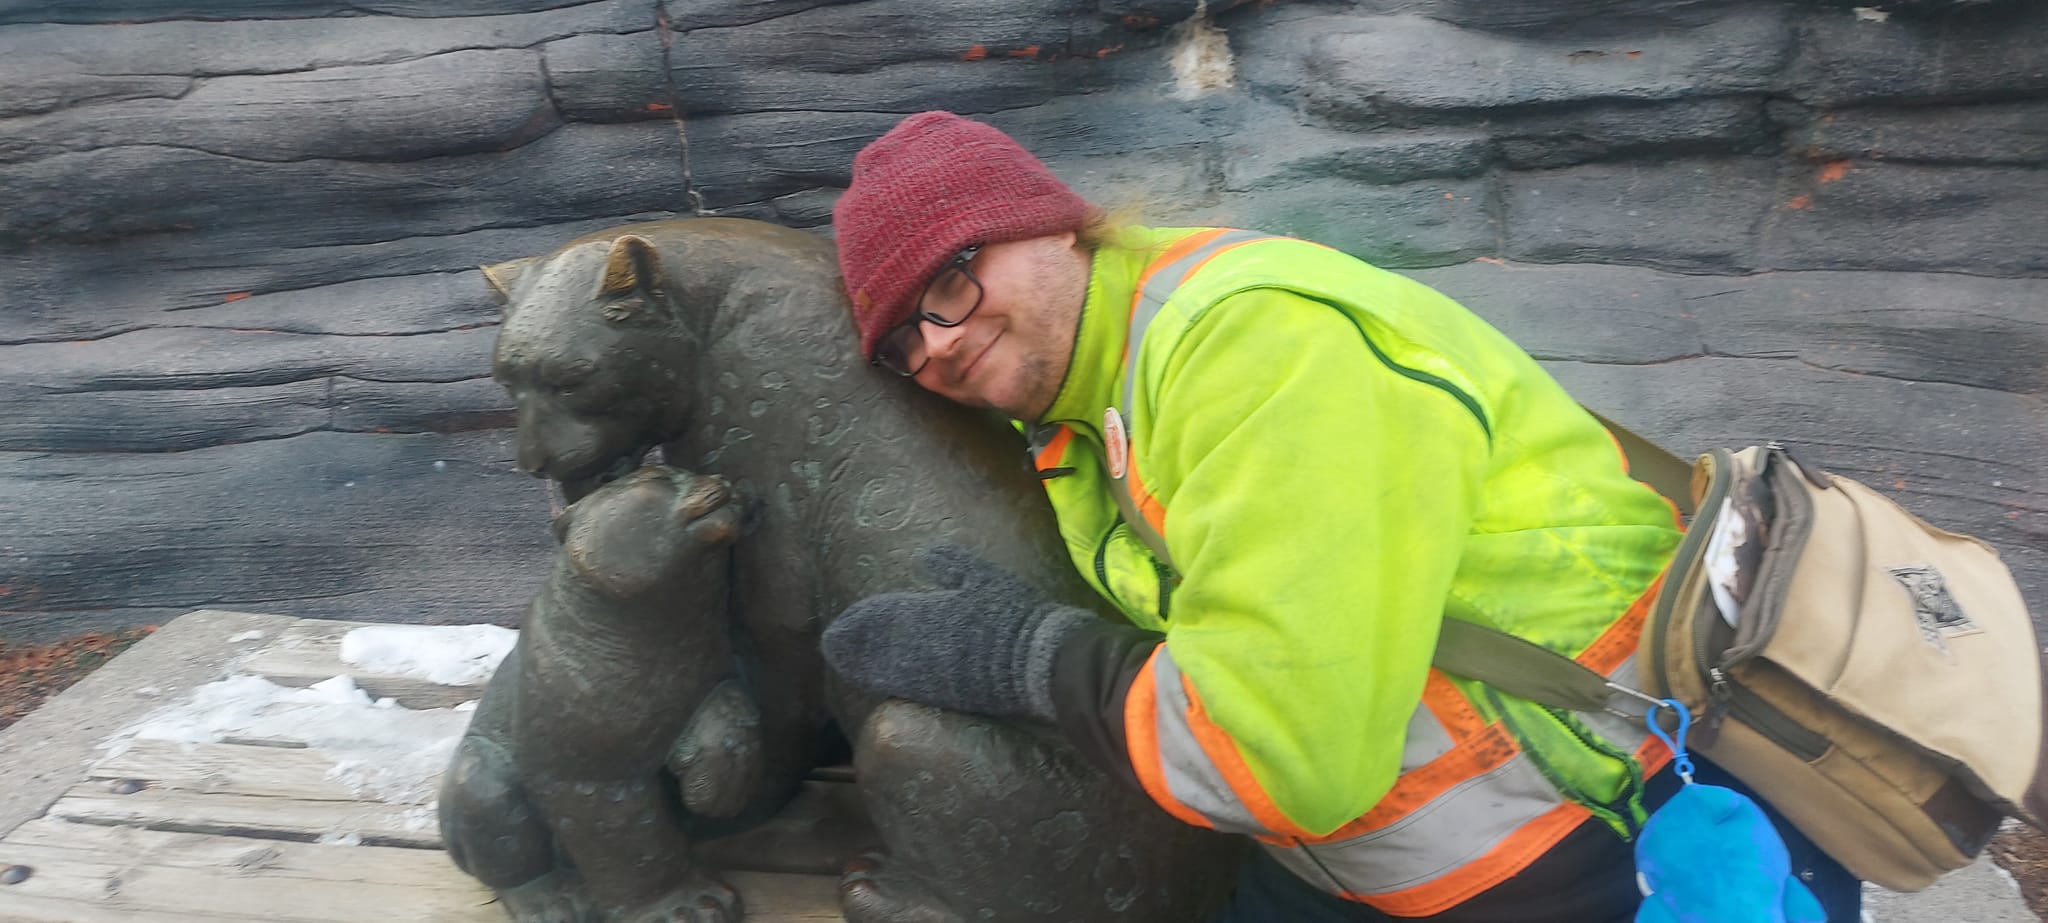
(2023, 851)
(32, 673)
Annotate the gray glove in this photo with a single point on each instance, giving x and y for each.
(984, 642)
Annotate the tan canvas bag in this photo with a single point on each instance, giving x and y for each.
(1881, 684)
(1880, 681)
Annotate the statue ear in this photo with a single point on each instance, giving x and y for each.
(503, 276)
(633, 264)
(631, 289)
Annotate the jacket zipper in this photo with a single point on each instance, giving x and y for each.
(1166, 582)
(1102, 561)
(1164, 573)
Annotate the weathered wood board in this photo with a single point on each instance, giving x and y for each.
(277, 830)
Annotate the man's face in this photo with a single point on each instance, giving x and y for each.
(1011, 354)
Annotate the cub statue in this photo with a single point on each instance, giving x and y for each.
(726, 345)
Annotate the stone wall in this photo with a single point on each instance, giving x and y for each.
(243, 345)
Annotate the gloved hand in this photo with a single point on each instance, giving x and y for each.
(983, 642)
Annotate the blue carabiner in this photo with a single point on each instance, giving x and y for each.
(1681, 761)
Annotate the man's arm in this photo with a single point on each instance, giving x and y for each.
(1317, 503)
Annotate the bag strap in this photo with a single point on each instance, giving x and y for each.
(1528, 670)
(1652, 464)
(1518, 667)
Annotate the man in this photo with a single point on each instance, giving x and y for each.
(1286, 467)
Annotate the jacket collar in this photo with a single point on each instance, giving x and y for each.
(1095, 372)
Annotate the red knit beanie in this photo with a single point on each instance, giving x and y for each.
(929, 188)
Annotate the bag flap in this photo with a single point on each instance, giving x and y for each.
(1921, 631)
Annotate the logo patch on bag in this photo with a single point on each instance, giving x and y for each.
(1936, 610)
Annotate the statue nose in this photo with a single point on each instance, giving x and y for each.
(533, 460)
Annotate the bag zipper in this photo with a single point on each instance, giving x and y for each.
(1683, 561)
(1725, 696)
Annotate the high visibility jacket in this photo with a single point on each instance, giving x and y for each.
(1335, 457)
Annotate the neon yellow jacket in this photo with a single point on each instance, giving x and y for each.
(1335, 457)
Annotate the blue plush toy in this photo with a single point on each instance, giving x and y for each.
(1710, 855)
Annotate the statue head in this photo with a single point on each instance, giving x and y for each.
(656, 528)
(595, 350)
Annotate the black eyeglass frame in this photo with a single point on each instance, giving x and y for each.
(962, 262)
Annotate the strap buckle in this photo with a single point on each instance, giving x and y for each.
(1617, 691)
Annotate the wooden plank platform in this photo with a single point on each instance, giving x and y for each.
(271, 827)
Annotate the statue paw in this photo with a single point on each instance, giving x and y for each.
(718, 760)
(701, 900)
(870, 893)
(490, 829)
(553, 898)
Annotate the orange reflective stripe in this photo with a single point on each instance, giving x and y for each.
(1219, 252)
(1148, 505)
(1615, 644)
(1459, 718)
(1141, 741)
(1506, 860)
(1653, 755)
(1477, 747)
(1049, 457)
(1173, 251)
(1480, 753)
(1222, 753)
(1502, 862)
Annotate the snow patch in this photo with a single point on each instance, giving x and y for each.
(251, 635)
(2010, 882)
(380, 751)
(1871, 14)
(1201, 56)
(452, 655)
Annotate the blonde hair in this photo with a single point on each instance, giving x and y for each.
(1110, 227)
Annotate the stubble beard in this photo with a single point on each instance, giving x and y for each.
(1035, 378)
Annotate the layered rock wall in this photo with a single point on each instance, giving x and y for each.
(244, 348)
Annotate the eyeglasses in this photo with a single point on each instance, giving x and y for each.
(948, 300)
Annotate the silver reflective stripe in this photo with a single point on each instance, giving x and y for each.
(1437, 838)
(1161, 286)
(1196, 782)
(1158, 288)
(1455, 827)
(1426, 740)
(1190, 776)
(1627, 733)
